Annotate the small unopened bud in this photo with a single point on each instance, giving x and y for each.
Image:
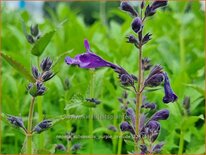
(47, 76)
(152, 130)
(146, 38)
(150, 106)
(132, 39)
(35, 72)
(16, 121)
(76, 147)
(161, 115)
(125, 6)
(157, 148)
(142, 4)
(42, 126)
(126, 80)
(34, 30)
(137, 25)
(46, 64)
(30, 39)
(186, 104)
(36, 89)
(60, 147)
(143, 149)
(93, 100)
(146, 65)
(130, 113)
(125, 126)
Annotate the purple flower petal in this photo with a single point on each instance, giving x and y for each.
(86, 45)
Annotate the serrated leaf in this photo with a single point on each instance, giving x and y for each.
(42, 43)
(76, 101)
(18, 66)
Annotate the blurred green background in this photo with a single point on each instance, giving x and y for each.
(177, 44)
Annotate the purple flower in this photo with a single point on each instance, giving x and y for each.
(157, 4)
(150, 106)
(157, 148)
(88, 59)
(169, 94)
(160, 115)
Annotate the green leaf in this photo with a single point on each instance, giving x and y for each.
(197, 88)
(18, 66)
(42, 43)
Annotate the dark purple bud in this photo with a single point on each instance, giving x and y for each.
(125, 6)
(36, 89)
(146, 65)
(143, 149)
(169, 94)
(16, 121)
(132, 39)
(152, 130)
(137, 25)
(60, 147)
(157, 148)
(158, 3)
(30, 39)
(76, 147)
(34, 30)
(42, 126)
(134, 77)
(125, 126)
(47, 75)
(142, 4)
(35, 72)
(146, 38)
(126, 80)
(150, 106)
(149, 11)
(160, 115)
(130, 113)
(155, 77)
(46, 64)
(93, 100)
(112, 128)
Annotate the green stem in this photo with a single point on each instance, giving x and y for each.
(102, 12)
(29, 129)
(119, 151)
(138, 97)
(91, 114)
(181, 143)
(40, 113)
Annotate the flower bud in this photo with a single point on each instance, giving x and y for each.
(60, 147)
(34, 30)
(125, 6)
(30, 39)
(146, 64)
(35, 72)
(36, 89)
(16, 121)
(132, 39)
(130, 113)
(146, 38)
(149, 11)
(143, 149)
(170, 96)
(76, 147)
(42, 126)
(150, 106)
(152, 130)
(142, 4)
(161, 115)
(125, 126)
(46, 64)
(126, 80)
(137, 25)
(47, 76)
(186, 104)
(157, 148)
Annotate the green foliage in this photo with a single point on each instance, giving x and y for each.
(177, 44)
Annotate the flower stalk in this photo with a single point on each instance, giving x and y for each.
(29, 129)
